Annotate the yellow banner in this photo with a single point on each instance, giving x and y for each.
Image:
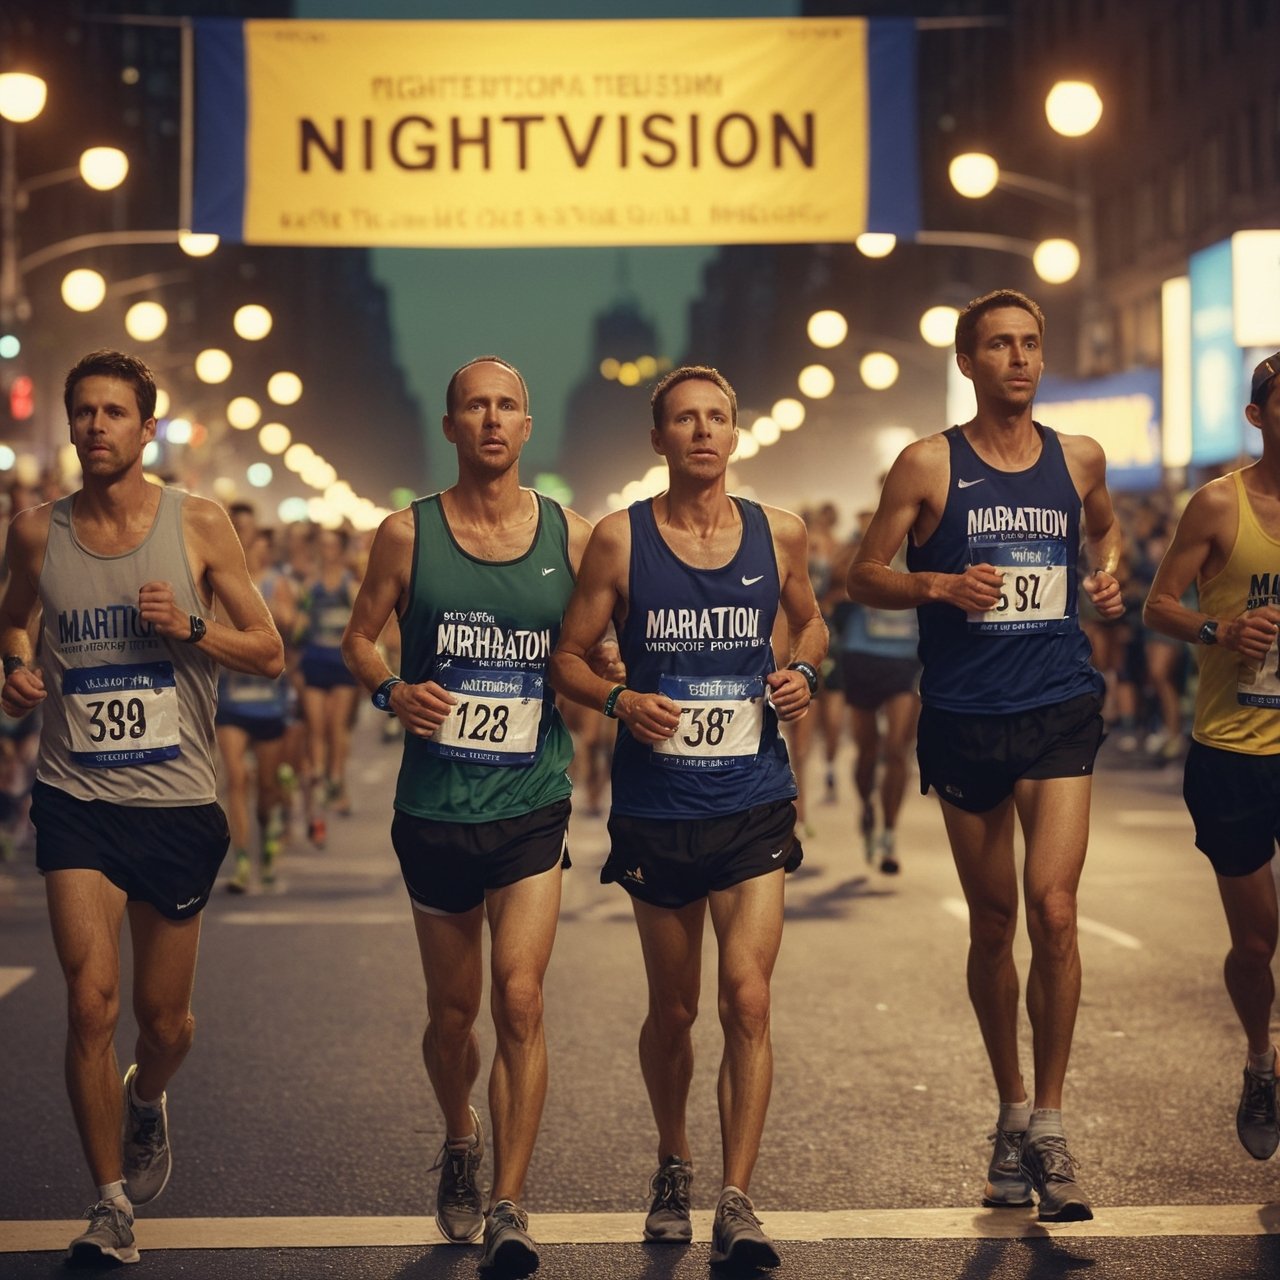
(493, 134)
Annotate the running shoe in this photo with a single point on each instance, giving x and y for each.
(1256, 1120)
(737, 1238)
(109, 1235)
(888, 856)
(509, 1250)
(317, 832)
(270, 869)
(1051, 1170)
(148, 1161)
(459, 1211)
(669, 1213)
(239, 882)
(1007, 1186)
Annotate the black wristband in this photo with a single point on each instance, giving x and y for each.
(11, 663)
(810, 675)
(611, 702)
(197, 629)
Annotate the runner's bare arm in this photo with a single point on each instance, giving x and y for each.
(421, 707)
(809, 638)
(28, 536)
(596, 601)
(248, 640)
(1197, 552)
(915, 493)
(1104, 538)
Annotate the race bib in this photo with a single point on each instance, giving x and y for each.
(1260, 686)
(891, 624)
(122, 715)
(721, 720)
(495, 718)
(1034, 595)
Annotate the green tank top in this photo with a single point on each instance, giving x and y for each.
(484, 630)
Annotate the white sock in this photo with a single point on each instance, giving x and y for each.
(114, 1193)
(1014, 1116)
(1263, 1064)
(1045, 1120)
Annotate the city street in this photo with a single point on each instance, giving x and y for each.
(303, 1128)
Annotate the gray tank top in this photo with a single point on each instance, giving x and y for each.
(129, 715)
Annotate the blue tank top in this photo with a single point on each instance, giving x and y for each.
(1029, 651)
(328, 613)
(702, 637)
(252, 696)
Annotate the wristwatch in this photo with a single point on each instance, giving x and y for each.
(381, 697)
(197, 629)
(1208, 633)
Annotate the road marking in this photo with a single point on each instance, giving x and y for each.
(1129, 1222)
(10, 979)
(960, 909)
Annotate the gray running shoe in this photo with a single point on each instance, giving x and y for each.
(509, 1250)
(737, 1239)
(148, 1161)
(109, 1235)
(1007, 1185)
(1256, 1120)
(459, 1211)
(1051, 1169)
(669, 1213)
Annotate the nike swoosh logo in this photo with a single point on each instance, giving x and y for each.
(751, 582)
(547, 571)
(968, 484)
(776, 855)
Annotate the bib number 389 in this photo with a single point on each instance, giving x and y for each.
(121, 715)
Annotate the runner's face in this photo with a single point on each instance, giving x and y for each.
(697, 434)
(1007, 359)
(107, 429)
(489, 425)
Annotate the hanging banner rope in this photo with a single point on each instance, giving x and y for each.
(533, 133)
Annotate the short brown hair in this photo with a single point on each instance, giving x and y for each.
(967, 324)
(691, 373)
(452, 389)
(114, 364)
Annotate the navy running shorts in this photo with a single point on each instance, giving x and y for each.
(673, 862)
(448, 867)
(167, 856)
(259, 728)
(973, 762)
(1234, 801)
(871, 679)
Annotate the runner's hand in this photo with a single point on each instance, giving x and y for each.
(1252, 634)
(23, 691)
(651, 717)
(157, 606)
(789, 693)
(976, 590)
(1103, 589)
(421, 708)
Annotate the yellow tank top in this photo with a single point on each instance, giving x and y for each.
(1238, 709)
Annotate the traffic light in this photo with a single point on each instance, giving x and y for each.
(22, 399)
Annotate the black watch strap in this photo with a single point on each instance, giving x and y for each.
(197, 629)
(810, 675)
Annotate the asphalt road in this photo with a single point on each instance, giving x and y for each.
(303, 1127)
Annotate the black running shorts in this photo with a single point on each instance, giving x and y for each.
(673, 862)
(168, 857)
(871, 679)
(973, 762)
(1234, 801)
(449, 866)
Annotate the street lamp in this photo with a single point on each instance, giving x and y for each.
(1073, 108)
(22, 96)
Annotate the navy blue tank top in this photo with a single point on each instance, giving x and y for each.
(702, 637)
(1029, 651)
